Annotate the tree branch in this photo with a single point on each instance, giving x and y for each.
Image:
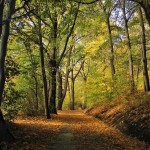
(67, 39)
(86, 2)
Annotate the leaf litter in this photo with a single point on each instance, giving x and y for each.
(37, 133)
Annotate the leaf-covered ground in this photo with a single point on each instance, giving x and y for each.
(79, 132)
(130, 114)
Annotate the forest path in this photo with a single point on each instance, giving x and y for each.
(71, 130)
(92, 134)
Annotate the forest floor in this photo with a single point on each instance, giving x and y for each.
(70, 130)
(130, 114)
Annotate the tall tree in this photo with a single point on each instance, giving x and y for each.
(63, 89)
(84, 72)
(107, 10)
(73, 77)
(47, 112)
(131, 72)
(53, 64)
(5, 134)
(144, 56)
(55, 59)
(1, 15)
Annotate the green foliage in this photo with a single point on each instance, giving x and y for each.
(10, 103)
(11, 95)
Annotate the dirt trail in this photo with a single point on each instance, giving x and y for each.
(72, 130)
(92, 134)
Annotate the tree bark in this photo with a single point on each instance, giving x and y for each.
(53, 66)
(73, 78)
(144, 57)
(72, 92)
(1, 15)
(85, 99)
(111, 48)
(64, 90)
(67, 72)
(5, 135)
(47, 112)
(132, 84)
(36, 93)
(60, 91)
(146, 8)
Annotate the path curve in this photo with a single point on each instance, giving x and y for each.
(83, 132)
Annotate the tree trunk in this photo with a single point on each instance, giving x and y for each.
(69, 94)
(72, 107)
(53, 66)
(146, 8)
(73, 78)
(85, 99)
(145, 4)
(72, 92)
(132, 84)
(1, 15)
(4, 132)
(36, 93)
(111, 48)
(53, 87)
(60, 91)
(47, 112)
(64, 91)
(144, 58)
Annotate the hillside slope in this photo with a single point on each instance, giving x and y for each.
(130, 114)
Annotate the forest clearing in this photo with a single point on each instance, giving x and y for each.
(74, 74)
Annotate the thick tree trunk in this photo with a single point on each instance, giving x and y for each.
(111, 49)
(60, 91)
(64, 91)
(53, 86)
(132, 84)
(4, 132)
(144, 58)
(53, 66)
(47, 112)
